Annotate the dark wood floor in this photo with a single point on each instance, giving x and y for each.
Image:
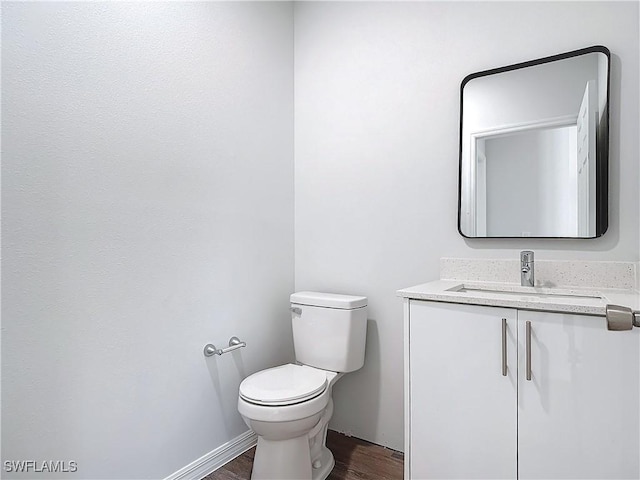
(355, 460)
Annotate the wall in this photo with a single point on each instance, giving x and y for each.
(376, 149)
(147, 209)
(529, 183)
(638, 264)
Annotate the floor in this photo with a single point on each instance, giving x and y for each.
(355, 460)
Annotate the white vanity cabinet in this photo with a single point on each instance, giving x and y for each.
(578, 415)
(468, 416)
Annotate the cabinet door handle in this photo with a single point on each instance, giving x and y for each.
(504, 347)
(528, 341)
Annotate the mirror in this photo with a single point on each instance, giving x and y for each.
(534, 141)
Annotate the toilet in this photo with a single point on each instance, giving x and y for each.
(289, 406)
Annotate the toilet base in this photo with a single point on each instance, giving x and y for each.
(327, 464)
(282, 459)
(290, 460)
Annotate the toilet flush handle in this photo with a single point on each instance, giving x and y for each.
(621, 318)
(296, 310)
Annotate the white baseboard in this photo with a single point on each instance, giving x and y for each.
(215, 459)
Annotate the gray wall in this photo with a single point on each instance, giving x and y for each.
(377, 124)
(147, 209)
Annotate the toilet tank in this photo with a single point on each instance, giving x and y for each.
(329, 330)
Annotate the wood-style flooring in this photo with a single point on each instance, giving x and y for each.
(355, 460)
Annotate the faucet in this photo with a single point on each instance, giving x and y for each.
(527, 274)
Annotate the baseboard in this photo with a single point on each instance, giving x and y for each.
(215, 459)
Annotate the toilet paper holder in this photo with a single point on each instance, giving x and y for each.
(621, 318)
(234, 343)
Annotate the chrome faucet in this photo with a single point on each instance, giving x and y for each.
(527, 273)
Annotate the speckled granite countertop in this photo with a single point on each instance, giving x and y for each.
(587, 301)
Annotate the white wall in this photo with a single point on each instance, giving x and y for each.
(529, 186)
(376, 148)
(147, 209)
(638, 265)
(513, 178)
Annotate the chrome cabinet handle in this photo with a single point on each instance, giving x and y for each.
(528, 342)
(504, 347)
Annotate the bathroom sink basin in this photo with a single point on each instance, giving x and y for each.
(531, 294)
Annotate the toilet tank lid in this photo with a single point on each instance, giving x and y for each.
(329, 300)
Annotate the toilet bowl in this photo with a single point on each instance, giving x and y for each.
(289, 406)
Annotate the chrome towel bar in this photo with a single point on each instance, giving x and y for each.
(234, 344)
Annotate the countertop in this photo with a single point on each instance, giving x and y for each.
(586, 301)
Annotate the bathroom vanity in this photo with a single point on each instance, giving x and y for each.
(503, 381)
(510, 374)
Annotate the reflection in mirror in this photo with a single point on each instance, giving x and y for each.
(534, 148)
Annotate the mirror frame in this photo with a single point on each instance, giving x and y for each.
(602, 142)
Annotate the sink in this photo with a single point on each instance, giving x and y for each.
(535, 294)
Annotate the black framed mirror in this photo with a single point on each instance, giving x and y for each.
(534, 143)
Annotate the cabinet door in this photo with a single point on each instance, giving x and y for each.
(578, 415)
(462, 409)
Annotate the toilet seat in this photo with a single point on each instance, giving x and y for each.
(284, 385)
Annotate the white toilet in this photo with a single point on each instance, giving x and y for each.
(289, 406)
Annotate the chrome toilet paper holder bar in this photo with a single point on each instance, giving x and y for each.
(621, 318)
(234, 343)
